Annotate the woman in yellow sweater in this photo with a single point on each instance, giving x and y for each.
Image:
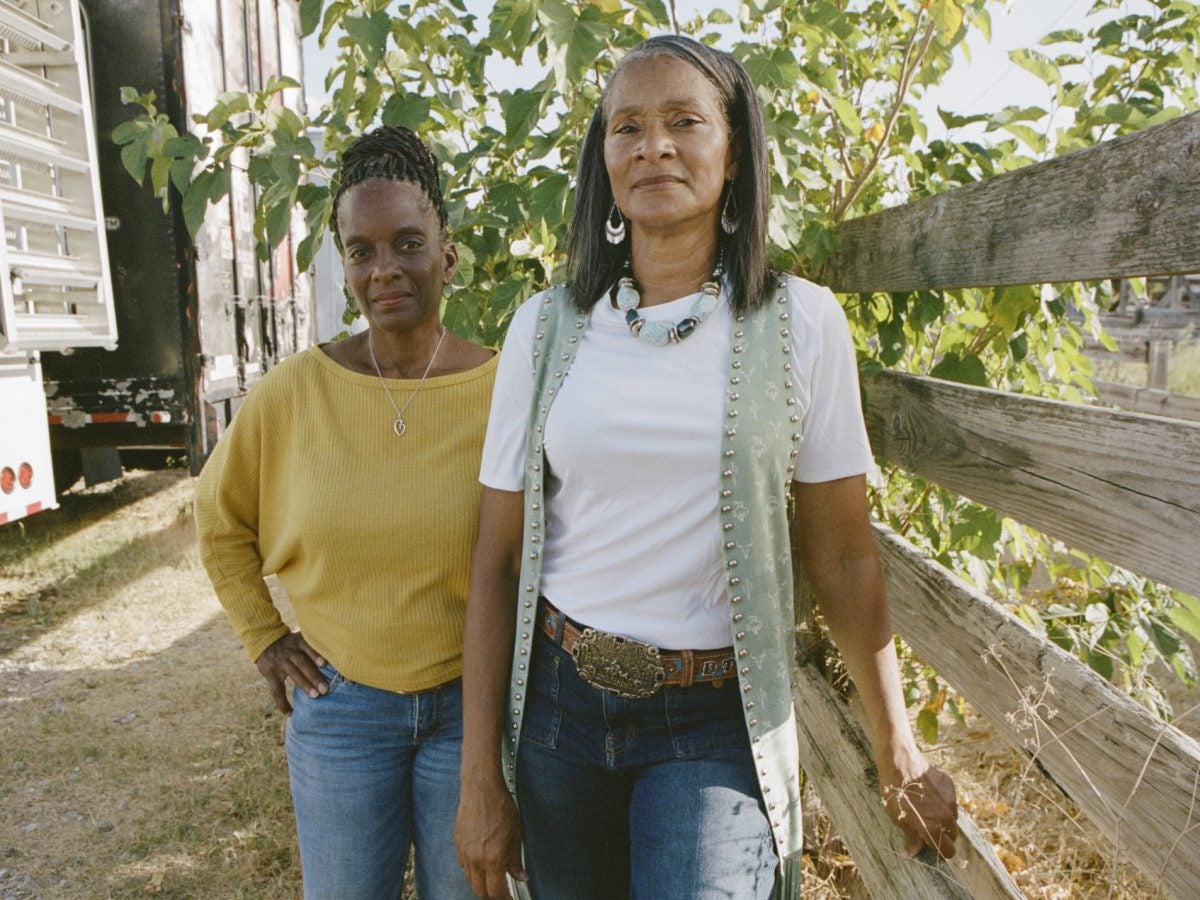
(350, 471)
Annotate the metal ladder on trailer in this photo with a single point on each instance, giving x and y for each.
(55, 288)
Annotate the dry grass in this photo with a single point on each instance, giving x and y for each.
(142, 756)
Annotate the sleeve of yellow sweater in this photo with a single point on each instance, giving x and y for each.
(228, 495)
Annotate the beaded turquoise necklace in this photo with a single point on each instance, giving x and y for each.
(625, 294)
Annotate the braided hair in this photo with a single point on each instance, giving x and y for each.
(394, 153)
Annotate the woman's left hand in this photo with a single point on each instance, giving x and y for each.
(924, 807)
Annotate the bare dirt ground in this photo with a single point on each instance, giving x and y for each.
(142, 755)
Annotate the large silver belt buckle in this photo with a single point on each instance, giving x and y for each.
(619, 665)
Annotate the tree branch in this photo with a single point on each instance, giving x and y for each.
(908, 69)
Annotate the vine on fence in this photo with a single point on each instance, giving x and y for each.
(838, 83)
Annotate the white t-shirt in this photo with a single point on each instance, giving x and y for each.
(632, 445)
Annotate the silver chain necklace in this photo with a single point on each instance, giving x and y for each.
(398, 426)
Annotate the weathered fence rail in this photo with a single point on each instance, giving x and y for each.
(1122, 486)
(1109, 482)
(1125, 208)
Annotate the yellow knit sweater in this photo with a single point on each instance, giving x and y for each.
(370, 534)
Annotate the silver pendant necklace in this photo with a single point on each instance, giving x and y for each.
(398, 426)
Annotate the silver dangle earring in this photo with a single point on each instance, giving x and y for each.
(729, 212)
(614, 225)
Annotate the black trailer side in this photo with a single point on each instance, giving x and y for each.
(197, 324)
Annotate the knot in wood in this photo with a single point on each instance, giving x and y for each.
(1148, 201)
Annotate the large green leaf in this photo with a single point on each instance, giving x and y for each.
(406, 110)
(522, 110)
(1037, 63)
(575, 41)
(310, 16)
(947, 19)
(369, 32)
(965, 370)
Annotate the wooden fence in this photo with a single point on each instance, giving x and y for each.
(1120, 485)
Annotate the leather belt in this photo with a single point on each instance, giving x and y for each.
(630, 668)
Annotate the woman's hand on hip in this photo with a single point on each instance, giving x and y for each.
(488, 837)
(292, 657)
(923, 806)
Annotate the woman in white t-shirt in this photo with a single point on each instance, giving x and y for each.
(632, 575)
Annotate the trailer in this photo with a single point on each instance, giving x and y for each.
(116, 326)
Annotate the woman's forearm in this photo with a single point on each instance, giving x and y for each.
(855, 611)
(488, 830)
(489, 632)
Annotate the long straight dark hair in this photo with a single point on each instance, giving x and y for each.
(595, 264)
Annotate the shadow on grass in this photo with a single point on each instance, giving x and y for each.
(31, 609)
(80, 510)
(164, 776)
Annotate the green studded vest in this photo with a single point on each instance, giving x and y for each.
(758, 451)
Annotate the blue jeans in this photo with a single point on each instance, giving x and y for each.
(654, 798)
(372, 772)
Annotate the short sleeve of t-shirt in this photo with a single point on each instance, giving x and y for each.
(833, 440)
(503, 466)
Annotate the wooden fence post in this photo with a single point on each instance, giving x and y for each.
(1158, 355)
